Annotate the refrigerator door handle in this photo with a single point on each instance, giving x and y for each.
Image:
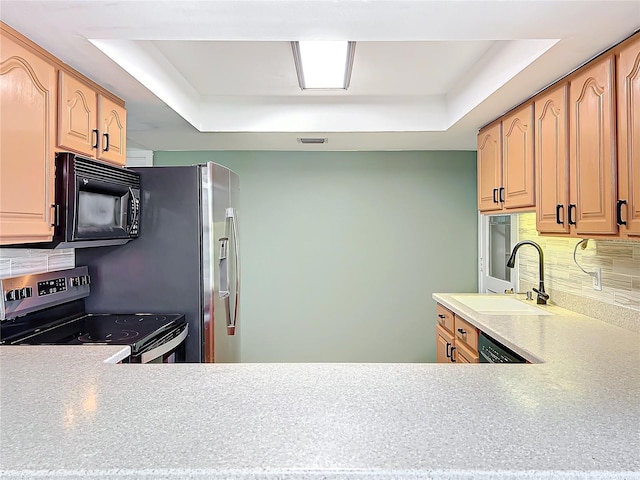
(224, 268)
(224, 284)
(231, 319)
(230, 228)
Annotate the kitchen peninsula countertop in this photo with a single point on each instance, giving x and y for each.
(66, 413)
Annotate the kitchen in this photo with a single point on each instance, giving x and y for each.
(446, 174)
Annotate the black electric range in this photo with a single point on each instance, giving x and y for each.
(151, 336)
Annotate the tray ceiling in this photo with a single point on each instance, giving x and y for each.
(220, 74)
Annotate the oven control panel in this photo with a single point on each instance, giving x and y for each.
(28, 293)
(49, 287)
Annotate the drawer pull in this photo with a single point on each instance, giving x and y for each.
(462, 331)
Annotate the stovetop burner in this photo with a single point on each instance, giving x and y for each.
(137, 319)
(114, 336)
(77, 328)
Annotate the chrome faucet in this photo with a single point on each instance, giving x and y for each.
(542, 295)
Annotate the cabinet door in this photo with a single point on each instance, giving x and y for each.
(552, 161)
(113, 132)
(27, 137)
(489, 168)
(465, 355)
(77, 116)
(517, 158)
(628, 74)
(592, 149)
(444, 342)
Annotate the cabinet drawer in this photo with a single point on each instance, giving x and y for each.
(445, 318)
(465, 355)
(466, 333)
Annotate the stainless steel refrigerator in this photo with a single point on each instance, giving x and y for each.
(186, 259)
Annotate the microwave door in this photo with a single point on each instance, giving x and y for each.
(101, 210)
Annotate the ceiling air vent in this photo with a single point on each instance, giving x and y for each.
(313, 140)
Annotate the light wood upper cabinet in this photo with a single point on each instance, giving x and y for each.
(628, 94)
(506, 164)
(27, 138)
(90, 123)
(45, 106)
(517, 189)
(592, 147)
(113, 131)
(489, 167)
(77, 116)
(577, 145)
(552, 160)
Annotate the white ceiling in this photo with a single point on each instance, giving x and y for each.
(199, 75)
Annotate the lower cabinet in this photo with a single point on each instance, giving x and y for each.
(444, 344)
(466, 355)
(456, 339)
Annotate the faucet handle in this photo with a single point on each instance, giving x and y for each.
(542, 294)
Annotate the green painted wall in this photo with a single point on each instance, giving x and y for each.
(341, 251)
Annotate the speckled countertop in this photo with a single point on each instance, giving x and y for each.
(65, 413)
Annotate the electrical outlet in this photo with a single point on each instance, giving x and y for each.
(597, 279)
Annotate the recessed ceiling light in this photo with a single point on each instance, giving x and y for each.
(323, 64)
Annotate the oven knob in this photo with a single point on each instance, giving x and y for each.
(26, 292)
(10, 295)
(85, 280)
(74, 281)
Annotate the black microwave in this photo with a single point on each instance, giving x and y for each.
(96, 204)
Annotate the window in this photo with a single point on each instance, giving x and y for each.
(498, 234)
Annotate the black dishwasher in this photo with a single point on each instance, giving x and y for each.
(492, 351)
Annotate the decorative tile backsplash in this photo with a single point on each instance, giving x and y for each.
(619, 262)
(21, 261)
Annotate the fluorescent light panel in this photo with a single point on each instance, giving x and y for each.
(323, 64)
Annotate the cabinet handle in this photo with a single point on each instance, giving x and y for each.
(462, 331)
(96, 137)
(572, 208)
(453, 359)
(441, 318)
(502, 194)
(56, 215)
(448, 352)
(495, 195)
(619, 212)
(106, 142)
(558, 208)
